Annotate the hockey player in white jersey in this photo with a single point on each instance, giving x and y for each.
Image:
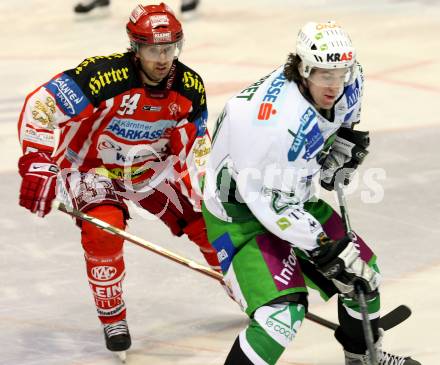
(273, 144)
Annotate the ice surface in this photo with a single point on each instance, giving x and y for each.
(177, 316)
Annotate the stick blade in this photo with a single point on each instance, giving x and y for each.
(395, 317)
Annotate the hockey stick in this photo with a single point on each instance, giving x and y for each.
(366, 325)
(162, 251)
(390, 320)
(137, 240)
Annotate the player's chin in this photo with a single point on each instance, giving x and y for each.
(161, 72)
(327, 102)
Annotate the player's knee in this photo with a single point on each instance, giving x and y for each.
(281, 321)
(98, 242)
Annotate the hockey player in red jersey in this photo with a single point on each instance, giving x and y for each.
(128, 126)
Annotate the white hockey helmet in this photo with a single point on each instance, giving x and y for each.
(324, 45)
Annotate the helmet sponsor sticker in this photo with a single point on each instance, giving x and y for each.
(159, 20)
(328, 25)
(162, 37)
(339, 57)
(137, 12)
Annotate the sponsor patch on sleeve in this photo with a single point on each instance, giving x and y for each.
(201, 124)
(314, 142)
(68, 95)
(300, 138)
(352, 94)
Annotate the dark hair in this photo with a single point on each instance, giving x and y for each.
(291, 72)
(291, 68)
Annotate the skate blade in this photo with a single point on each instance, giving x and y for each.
(122, 355)
(190, 15)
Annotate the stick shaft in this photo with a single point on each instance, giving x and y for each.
(344, 210)
(366, 324)
(163, 252)
(139, 241)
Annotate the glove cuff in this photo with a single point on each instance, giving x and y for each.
(42, 158)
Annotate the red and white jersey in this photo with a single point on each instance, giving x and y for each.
(99, 117)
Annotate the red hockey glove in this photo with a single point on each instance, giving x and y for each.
(37, 189)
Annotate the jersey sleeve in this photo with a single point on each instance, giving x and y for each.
(273, 193)
(50, 107)
(190, 143)
(69, 98)
(354, 99)
(278, 209)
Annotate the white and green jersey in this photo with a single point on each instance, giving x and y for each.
(266, 147)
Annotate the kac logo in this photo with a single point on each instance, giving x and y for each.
(103, 272)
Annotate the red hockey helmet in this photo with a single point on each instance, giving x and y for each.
(153, 25)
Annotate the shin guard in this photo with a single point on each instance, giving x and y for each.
(268, 334)
(350, 333)
(105, 263)
(105, 276)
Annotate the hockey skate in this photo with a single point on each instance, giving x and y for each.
(383, 358)
(188, 5)
(88, 5)
(117, 338)
(188, 8)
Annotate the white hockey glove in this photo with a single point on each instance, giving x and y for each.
(347, 152)
(340, 262)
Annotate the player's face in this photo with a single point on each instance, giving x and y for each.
(157, 60)
(156, 71)
(325, 86)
